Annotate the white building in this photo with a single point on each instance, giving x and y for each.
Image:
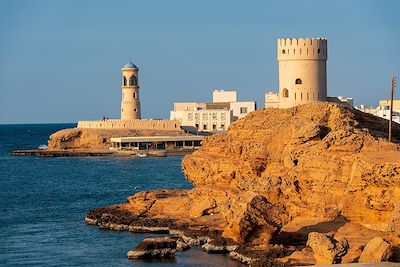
(213, 116)
(382, 111)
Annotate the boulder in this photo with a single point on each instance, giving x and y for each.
(327, 250)
(152, 248)
(376, 250)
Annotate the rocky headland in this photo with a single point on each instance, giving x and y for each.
(314, 184)
(96, 139)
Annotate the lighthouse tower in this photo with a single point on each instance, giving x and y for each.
(302, 71)
(130, 104)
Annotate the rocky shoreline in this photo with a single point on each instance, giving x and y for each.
(314, 184)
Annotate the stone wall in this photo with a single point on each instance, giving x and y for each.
(160, 125)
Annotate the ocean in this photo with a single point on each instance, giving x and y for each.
(43, 202)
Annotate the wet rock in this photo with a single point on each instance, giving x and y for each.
(181, 245)
(220, 246)
(327, 250)
(152, 248)
(376, 250)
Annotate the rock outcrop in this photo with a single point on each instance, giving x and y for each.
(77, 138)
(277, 175)
(153, 248)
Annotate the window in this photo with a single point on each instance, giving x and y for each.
(190, 116)
(243, 110)
(197, 116)
(133, 80)
(301, 96)
(205, 127)
(197, 126)
(134, 95)
(124, 81)
(204, 116)
(285, 93)
(223, 125)
(223, 116)
(214, 116)
(298, 81)
(318, 51)
(214, 126)
(283, 51)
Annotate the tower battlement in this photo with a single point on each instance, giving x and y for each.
(302, 48)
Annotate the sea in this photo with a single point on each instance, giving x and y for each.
(43, 202)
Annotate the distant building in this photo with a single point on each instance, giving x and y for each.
(212, 116)
(383, 110)
(341, 100)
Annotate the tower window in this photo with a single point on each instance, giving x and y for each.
(285, 93)
(134, 95)
(298, 81)
(318, 51)
(124, 81)
(133, 80)
(283, 51)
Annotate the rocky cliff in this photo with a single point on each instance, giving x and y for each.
(279, 174)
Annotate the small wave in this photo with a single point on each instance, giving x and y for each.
(42, 147)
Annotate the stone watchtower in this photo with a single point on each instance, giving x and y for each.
(130, 104)
(302, 71)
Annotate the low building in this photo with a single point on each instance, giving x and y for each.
(271, 100)
(139, 143)
(383, 110)
(203, 120)
(211, 116)
(347, 101)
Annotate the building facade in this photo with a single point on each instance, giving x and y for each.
(383, 109)
(130, 102)
(211, 116)
(203, 120)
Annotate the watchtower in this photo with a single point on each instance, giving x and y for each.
(302, 71)
(130, 104)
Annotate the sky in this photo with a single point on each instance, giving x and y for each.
(60, 61)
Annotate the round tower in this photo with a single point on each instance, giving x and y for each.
(130, 104)
(302, 71)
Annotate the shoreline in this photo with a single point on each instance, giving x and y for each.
(98, 153)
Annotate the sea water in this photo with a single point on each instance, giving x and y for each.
(43, 202)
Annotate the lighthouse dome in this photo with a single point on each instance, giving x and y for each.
(130, 65)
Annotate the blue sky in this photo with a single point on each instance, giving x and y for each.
(60, 60)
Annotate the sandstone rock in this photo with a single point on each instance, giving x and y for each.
(326, 249)
(376, 250)
(303, 160)
(203, 206)
(281, 172)
(150, 248)
(76, 138)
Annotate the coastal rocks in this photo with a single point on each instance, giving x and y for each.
(314, 161)
(273, 178)
(77, 138)
(326, 249)
(220, 246)
(152, 248)
(376, 250)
